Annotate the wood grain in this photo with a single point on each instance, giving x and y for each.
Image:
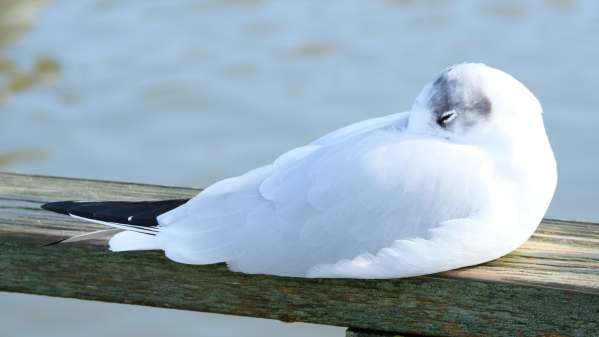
(549, 287)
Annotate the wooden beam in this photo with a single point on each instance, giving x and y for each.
(548, 287)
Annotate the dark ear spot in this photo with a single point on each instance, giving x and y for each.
(482, 105)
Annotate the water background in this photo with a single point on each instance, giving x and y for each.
(185, 92)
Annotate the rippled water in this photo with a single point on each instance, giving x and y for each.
(188, 92)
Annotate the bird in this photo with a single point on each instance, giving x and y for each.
(463, 177)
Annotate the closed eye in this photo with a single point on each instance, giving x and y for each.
(446, 118)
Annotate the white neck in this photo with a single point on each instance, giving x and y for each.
(524, 157)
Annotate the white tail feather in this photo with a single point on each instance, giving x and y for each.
(127, 240)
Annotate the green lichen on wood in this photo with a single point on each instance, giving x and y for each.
(549, 287)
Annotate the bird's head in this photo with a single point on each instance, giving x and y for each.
(474, 103)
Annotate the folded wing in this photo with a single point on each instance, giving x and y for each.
(354, 191)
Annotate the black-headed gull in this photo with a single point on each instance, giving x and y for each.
(462, 178)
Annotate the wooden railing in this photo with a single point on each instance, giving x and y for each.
(549, 287)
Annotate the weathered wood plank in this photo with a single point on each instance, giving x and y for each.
(549, 287)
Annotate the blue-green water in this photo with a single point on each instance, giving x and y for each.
(188, 92)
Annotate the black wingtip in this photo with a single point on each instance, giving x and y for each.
(61, 207)
(58, 207)
(134, 213)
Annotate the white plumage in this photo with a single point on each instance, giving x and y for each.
(464, 177)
